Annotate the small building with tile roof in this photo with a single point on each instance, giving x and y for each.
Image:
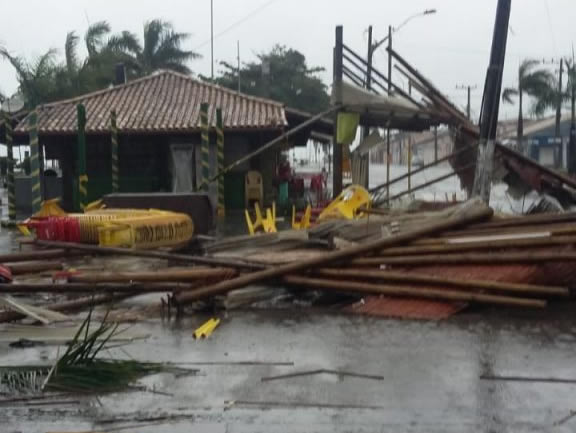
(154, 114)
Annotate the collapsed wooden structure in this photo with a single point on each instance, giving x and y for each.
(460, 255)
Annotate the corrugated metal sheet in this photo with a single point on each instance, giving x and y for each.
(405, 308)
(165, 101)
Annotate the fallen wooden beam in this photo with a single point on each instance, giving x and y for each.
(445, 248)
(95, 249)
(412, 278)
(469, 259)
(135, 287)
(22, 268)
(471, 216)
(163, 275)
(35, 255)
(411, 292)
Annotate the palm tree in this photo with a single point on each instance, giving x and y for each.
(538, 84)
(41, 80)
(161, 49)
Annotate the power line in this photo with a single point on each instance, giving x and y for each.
(236, 24)
(550, 25)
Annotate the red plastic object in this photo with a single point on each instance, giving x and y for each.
(57, 229)
(5, 274)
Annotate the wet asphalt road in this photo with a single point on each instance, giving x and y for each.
(431, 376)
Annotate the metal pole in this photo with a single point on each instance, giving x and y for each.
(114, 137)
(10, 167)
(82, 175)
(409, 149)
(435, 144)
(280, 139)
(205, 151)
(388, 129)
(337, 151)
(468, 104)
(220, 151)
(572, 143)
(365, 160)
(212, 38)
(35, 163)
(491, 103)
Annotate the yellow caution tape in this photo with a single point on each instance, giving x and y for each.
(159, 230)
(206, 329)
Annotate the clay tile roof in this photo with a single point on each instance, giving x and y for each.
(165, 101)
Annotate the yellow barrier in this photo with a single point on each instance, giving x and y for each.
(159, 230)
(90, 222)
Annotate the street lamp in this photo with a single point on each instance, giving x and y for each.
(377, 44)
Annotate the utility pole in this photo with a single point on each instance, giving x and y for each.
(212, 38)
(491, 103)
(238, 56)
(469, 89)
(559, 101)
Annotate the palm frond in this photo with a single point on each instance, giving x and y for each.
(94, 36)
(125, 42)
(70, 48)
(45, 64)
(19, 64)
(526, 66)
(153, 31)
(509, 93)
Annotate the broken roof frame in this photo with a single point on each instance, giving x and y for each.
(425, 108)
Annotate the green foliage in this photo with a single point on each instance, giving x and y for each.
(46, 78)
(290, 80)
(80, 369)
(540, 84)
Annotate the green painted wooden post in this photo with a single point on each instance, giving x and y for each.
(10, 168)
(82, 177)
(220, 153)
(115, 170)
(205, 151)
(35, 163)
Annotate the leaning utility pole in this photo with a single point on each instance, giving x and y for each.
(491, 103)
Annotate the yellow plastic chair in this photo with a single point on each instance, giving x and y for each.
(254, 190)
(266, 225)
(304, 223)
(348, 204)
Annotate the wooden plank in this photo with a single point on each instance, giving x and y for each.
(412, 278)
(472, 215)
(411, 292)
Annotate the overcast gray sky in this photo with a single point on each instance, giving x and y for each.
(451, 47)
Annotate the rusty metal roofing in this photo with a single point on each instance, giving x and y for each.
(165, 101)
(405, 308)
